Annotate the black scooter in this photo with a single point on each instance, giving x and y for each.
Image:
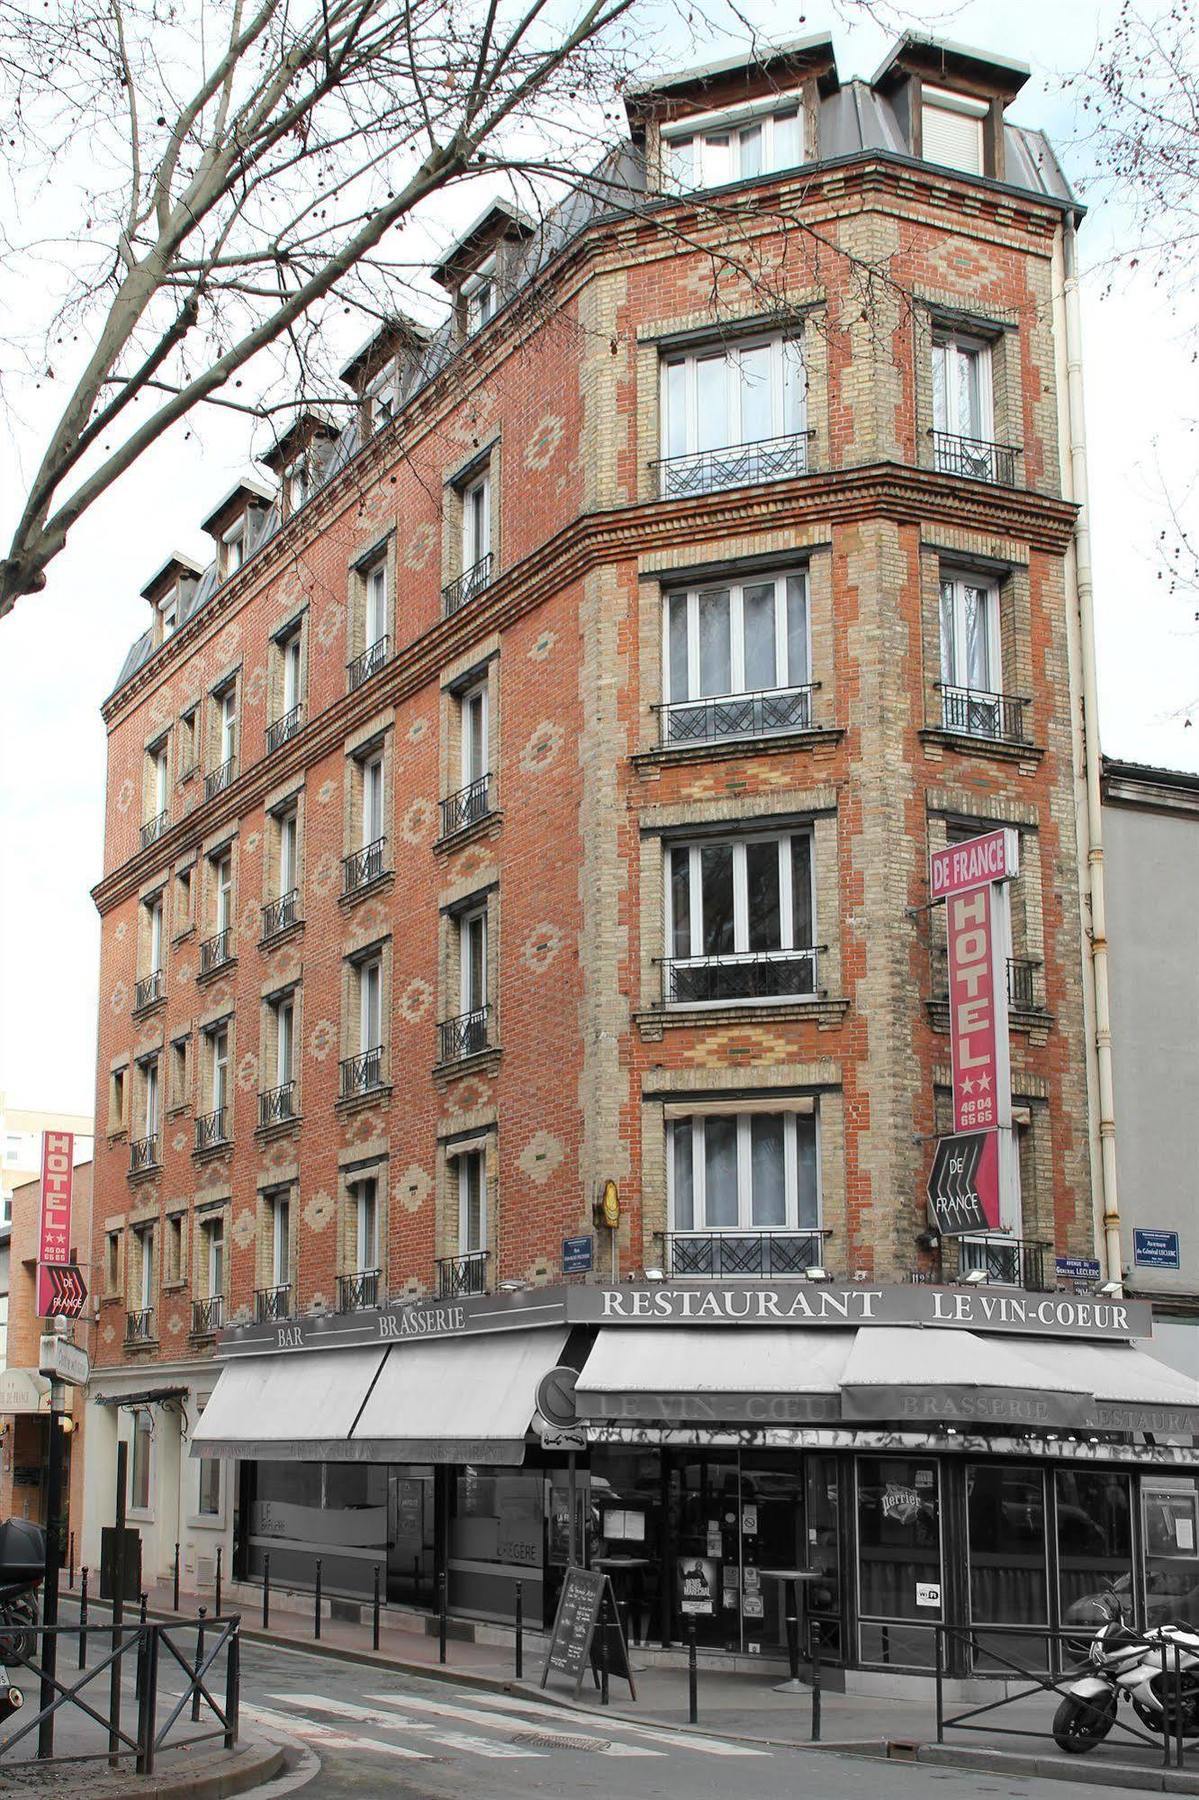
(22, 1567)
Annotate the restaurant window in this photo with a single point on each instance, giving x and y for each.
(899, 1559)
(732, 414)
(1093, 1524)
(1170, 1516)
(139, 1477)
(736, 660)
(1005, 1512)
(740, 921)
(743, 1194)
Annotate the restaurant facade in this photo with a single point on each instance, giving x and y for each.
(908, 1454)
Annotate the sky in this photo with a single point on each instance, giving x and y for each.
(61, 650)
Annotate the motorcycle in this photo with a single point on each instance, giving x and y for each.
(22, 1566)
(1139, 1667)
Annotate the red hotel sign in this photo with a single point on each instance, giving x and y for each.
(959, 867)
(975, 1002)
(58, 1166)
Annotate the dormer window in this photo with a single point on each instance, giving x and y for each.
(479, 292)
(383, 398)
(735, 145)
(952, 129)
(169, 612)
(234, 541)
(296, 479)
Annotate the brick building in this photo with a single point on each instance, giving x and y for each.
(532, 801)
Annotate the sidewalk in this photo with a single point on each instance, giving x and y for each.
(735, 1703)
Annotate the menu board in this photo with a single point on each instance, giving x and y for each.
(580, 1607)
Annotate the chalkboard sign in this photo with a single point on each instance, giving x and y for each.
(585, 1603)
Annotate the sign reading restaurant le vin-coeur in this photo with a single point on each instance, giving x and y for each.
(704, 1303)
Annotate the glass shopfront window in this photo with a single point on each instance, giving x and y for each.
(899, 1559)
(1005, 1519)
(824, 1595)
(624, 1534)
(497, 1538)
(299, 1511)
(411, 1536)
(1093, 1509)
(1170, 1521)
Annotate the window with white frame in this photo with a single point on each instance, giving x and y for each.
(962, 391)
(474, 734)
(291, 668)
(376, 604)
(479, 292)
(472, 1202)
(280, 1239)
(472, 944)
(168, 612)
(372, 799)
(743, 1172)
(971, 670)
(744, 639)
(212, 1257)
(154, 922)
(208, 1492)
(733, 414)
(740, 920)
(366, 1224)
(235, 545)
(476, 521)
(383, 397)
(226, 712)
(139, 1471)
(222, 870)
(172, 1270)
(370, 1005)
(952, 129)
(735, 145)
(150, 1097)
(218, 1054)
(296, 481)
(287, 850)
(143, 1295)
(284, 1009)
(160, 781)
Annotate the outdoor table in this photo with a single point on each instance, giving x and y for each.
(796, 1578)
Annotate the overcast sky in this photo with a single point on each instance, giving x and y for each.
(60, 652)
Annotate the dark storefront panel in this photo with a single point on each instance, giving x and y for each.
(1093, 1512)
(1006, 1538)
(299, 1511)
(899, 1559)
(497, 1538)
(1170, 1521)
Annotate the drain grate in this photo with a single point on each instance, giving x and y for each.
(552, 1740)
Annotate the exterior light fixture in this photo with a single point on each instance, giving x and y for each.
(513, 1286)
(816, 1273)
(974, 1277)
(1112, 1289)
(655, 1275)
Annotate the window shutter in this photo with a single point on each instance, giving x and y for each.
(953, 139)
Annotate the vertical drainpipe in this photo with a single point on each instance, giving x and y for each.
(1085, 723)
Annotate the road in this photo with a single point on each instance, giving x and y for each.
(401, 1738)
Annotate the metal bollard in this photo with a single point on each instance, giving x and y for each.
(375, 1613)
(175, 1583)
(144, 1604)
(266, 1591)
(442, 1605)
(199, 1664)
(220, 1550)
(83, 1618)
(603, 1626)
(692, 1675)
(520, 1630)
(316, 1617)
(814, 1657)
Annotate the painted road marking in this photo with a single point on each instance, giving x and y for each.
(313, 1732)
(676, 1740)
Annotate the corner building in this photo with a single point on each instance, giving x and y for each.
(535, 793)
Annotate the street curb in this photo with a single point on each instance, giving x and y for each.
(244, 1770)
(1123, 1775)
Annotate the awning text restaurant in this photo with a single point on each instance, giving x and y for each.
(978, 1456)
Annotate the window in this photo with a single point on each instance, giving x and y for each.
(372, 799)
(749, 639)
(376, 604)
(139, 1476)
(212, 1257)
(112, 1262)
(280, 1249)
(188, 745)
(383, 398)
(472, 942)
(222, 869)
(952, 129)
(370, 1005)
(173, 1250)
(159, 779)
(366, 1225)
(154, 933)
(168, 612)
(289, 850)
(366, 861)
(970, 661)
(144, 1290)
(218, 1049)
(208, 1497)
(179, 1071)
(738, 411)
(183, 898)
(149, 1070)
(962, 387)
(472, 1203)
(284, 1021)
(748, 1172)
(734, 146)
(296, 484)
(235, 546)
(479, 291)
(116, 1101)
(374, 600)
(227, 724)
(476, 522)
(474, 765)
(740, 920)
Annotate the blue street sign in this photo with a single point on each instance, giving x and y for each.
(1078, 1268)
(1155, 1249)
(576, 1255)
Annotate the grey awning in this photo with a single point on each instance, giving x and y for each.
(280, 1408)
(696, 1374)
(904, 1372)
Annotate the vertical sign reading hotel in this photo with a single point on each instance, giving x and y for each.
(54, 1235)
(967, 877)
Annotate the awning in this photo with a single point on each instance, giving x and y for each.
(457, 1402)
(445, 1400)
(903, 1372)
(1132, 1390)
(693, 1374)
(280, 1408)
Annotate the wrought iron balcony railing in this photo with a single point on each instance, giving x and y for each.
(730, 1252)
(472, 581)
(735, 465)
(357, 1292)
(362, 1074)
(466, 1035)
(272, 1303)
(216, 951)
(208, 1316)
(975, 458)
(212, 1129)
(760, 714)
(974, 713)
(277, 1105)
(143, 1153)
(363, 866)
(217, 780)
(148, 991)
(465, 1274)
(280, 915)
(467, 806)
(1006, 1261)
(280, 730)
(153, 829)
(743, 975)
(1022, 983)
(139, 1326)
(368, 662)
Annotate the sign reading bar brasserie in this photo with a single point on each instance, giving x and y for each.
(706, 1303)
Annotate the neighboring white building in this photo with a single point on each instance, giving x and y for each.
(21, 1129)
